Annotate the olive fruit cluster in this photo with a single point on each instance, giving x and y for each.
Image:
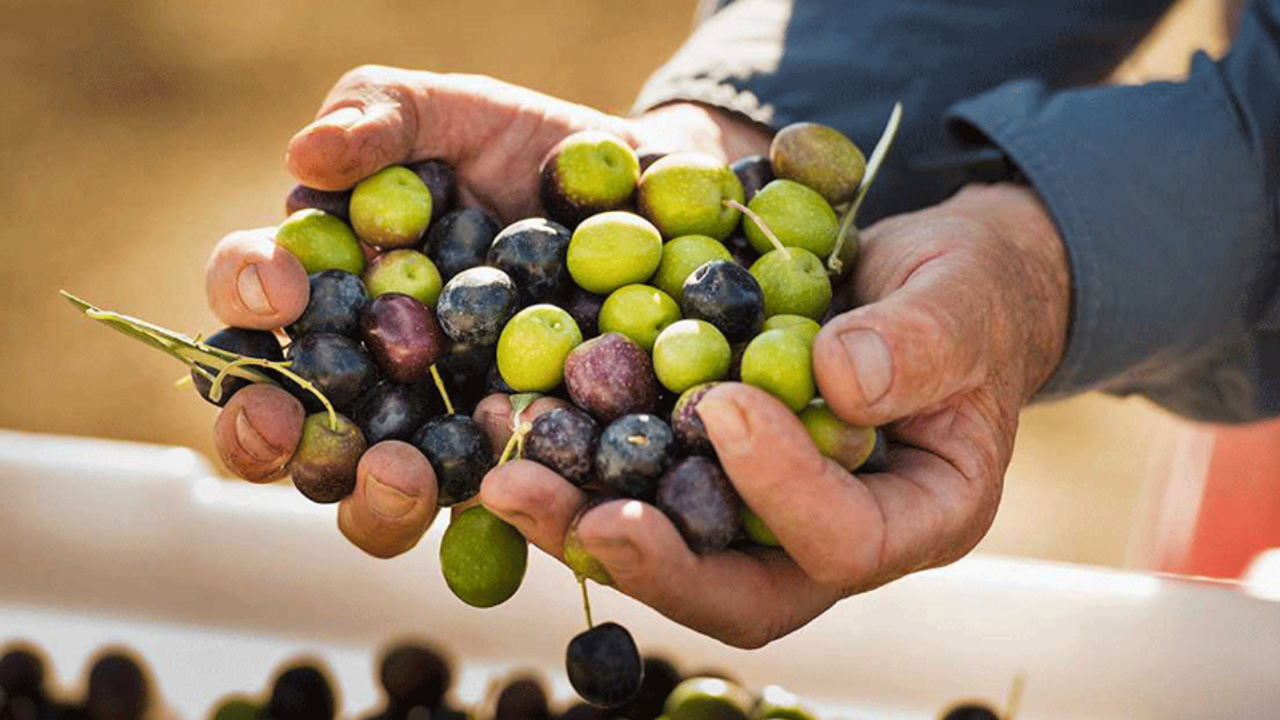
(639, 293)
(368, 356)
(641, 289)
(668, 280)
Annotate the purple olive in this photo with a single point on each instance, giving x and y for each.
(702, 503)
(584, 307)
(442, 181)
(334, 202)
(610, 376)
(564, 440)
(403, 336)
(687, 426)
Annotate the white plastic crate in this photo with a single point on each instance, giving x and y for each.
(216, 583)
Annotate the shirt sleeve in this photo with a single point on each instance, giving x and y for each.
(845, 64)
(1164, 194)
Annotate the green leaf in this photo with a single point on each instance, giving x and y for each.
(174, 344)
(519, 403)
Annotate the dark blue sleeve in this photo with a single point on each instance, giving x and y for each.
(845, 63)
(1165, 194)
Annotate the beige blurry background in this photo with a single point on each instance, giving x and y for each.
(135, 133)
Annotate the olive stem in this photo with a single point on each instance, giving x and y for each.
(215, 390)
(586, 602)
(524, 430)
(515, 444)
(444, 393)
(1015, 697)
(760, 223)
(834, 265)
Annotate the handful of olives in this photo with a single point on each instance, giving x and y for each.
(637, 293)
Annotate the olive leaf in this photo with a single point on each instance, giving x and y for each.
(187, 350)
(214, 364)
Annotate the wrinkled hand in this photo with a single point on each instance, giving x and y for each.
(961, 317)
(495, 135)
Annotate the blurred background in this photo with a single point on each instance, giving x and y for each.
(135, 133)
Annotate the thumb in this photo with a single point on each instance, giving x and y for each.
(919, 345)
(368, 121)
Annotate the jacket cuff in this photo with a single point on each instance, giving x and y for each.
(1166, 224)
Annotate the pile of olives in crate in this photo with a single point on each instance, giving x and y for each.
(416, 680)
(651, 279)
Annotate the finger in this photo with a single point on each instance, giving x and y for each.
(258, 431)
(538, 502)
(827, 520)
(745, 600)
(740, 599)
(917, 346)
(394, 501)
(253, 283)
(493, 415)
(377, 116)
(369, 121)
(848, 532)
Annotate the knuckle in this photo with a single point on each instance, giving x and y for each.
(477, 82)
(365, 75)
(372, 84)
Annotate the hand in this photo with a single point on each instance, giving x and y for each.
(496, 136)
(962, 317)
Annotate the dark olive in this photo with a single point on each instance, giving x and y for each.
(604, 665)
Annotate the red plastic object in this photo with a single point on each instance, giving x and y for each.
(1239, 513)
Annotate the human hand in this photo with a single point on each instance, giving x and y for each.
(961, 314)
(495, 136)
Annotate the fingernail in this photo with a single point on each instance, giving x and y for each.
(872, 363)
(341, 118)
(614, 553)
(725, 425)
(251, 441)
(249, 287)
(386, 500)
